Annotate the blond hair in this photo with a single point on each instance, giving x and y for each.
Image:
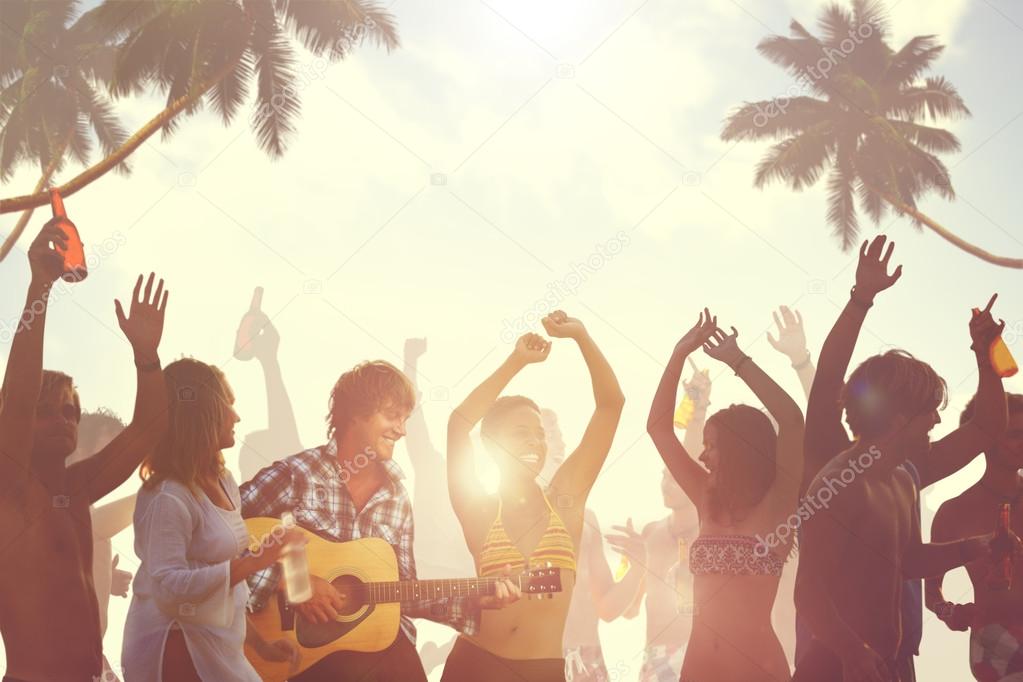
(198, 403)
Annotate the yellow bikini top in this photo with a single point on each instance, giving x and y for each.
(555, 547)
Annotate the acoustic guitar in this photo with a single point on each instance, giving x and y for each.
(365, 573)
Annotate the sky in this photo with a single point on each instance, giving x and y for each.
(508, 150)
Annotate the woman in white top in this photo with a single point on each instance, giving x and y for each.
(187, 616)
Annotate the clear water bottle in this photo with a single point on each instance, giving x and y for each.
(297, 585)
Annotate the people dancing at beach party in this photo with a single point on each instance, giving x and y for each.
(746, 488)
(522, 525)
(862, 539)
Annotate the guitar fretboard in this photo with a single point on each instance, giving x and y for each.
(419, 590)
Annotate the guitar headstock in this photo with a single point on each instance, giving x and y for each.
(540, 582)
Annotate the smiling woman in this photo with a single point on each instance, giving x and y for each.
(518, 527)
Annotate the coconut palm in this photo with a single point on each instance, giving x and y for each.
(52, 108)
(211, 52)
(865, 124)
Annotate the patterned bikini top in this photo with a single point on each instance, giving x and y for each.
(555, 547)
(732, 555)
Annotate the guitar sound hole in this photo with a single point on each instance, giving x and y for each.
(352, 591)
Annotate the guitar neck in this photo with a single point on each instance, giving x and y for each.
(419, 590)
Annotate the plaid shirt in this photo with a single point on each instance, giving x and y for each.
(310, 485)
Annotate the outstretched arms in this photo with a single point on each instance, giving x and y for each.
(111, 466)
(426, 459)
(577, 474)
(691, 477)
(23, 378)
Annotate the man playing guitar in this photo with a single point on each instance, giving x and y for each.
(350, 489)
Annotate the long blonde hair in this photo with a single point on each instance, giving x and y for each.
(198, 402)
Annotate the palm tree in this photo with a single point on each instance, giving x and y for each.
(866, 122)
(50, 107)
(201, 52)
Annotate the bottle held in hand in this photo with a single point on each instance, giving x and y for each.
(1001, 359)
(248, 328)
(74, 254)
(1000, 578)
(295, 564)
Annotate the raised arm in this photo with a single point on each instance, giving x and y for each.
(698, 389)
(23, 378)
(825, 434)
(427, 461)
(791, 343)
(690, 476)
(789, 459)
(111, 466)
(579, 471)
(464, 486)
(990, 413)
(281, 424)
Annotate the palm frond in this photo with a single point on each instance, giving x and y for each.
(775, 118)
(937, 98)
(909, 63)
(276, 98)
(799, 160)
(926, 137)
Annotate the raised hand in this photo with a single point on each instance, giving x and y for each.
(724, 347)
(791, 340)
(698, 335)
(531, 348)
(983, 328)
(561, 326)
(872, 271)
(414, 348)
(265, 343)
(144, 323)
(628, 543)
(46, 261)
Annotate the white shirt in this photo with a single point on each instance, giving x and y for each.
(185, 544)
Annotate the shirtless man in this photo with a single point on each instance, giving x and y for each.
(862, 534)
(995, 618)
(668, 585)
(49, 616)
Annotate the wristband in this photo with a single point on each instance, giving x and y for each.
(737, 366)
(149, 366)
(866, 305)
(804, 363)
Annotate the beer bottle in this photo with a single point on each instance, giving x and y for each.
(74, 254)
(1001, 359)
(1000, 578)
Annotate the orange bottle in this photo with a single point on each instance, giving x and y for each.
(1001, 359)
(249, 327)
(74, 255)
(1000, 577)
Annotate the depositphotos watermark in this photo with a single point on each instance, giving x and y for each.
(565, 287)
(819, 499)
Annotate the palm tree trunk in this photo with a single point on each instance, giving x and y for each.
(942, 232)
(19, 227)
(97, 171)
